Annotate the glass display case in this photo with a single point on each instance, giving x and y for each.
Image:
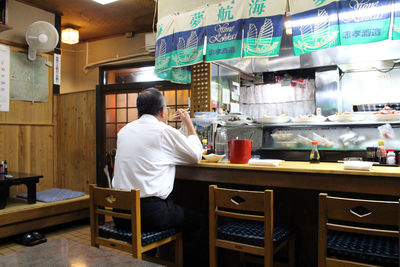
(335, 140)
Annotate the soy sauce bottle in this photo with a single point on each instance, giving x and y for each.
(314, 155)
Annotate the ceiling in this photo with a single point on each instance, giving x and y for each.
(96, 21)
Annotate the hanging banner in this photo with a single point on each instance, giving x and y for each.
(189, 38)
(314, 24)
(164, 44)
(396, 21)
(364, 21)
(224, 30)
(263, 23)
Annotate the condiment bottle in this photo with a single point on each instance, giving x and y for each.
(391, 157)
(204, 141)
(381, 152)
(314, 155)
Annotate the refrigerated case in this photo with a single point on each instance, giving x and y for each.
(292, 141)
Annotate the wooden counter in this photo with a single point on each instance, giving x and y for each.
(290, 204)
(298, 175)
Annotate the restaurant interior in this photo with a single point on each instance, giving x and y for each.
(296, 104)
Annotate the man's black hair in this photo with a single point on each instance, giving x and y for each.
(150, 101)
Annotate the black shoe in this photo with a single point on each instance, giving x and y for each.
(28, 239)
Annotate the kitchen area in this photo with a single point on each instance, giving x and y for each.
(341, 100)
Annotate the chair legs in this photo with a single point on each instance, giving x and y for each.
(179, 251)
(292, 251)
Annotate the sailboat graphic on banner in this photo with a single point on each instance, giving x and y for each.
(317, 35)
(189, 50)
(260, 43)
(162, 58)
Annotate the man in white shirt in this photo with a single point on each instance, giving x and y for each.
(147, 152)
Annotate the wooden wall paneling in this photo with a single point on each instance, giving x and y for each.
(28, 149)
(76, 140)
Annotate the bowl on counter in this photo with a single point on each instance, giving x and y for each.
(213, 157)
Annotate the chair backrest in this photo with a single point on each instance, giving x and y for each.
(115, 200)
(370, 217)
(237, 204)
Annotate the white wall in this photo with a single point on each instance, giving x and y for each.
(87, 53)
(167, 7)
(20, 16)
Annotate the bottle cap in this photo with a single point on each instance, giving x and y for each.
(314, 143)
(391, 150)
(381, 143)
(204, 141)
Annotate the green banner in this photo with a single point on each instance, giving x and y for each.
(315, 29)
(363, 22)
(396, 21)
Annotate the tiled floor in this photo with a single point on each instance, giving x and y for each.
(77, 231)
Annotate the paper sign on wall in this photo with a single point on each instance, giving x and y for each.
(4, 78)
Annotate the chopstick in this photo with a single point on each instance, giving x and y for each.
(176, 115)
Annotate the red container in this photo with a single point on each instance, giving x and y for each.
(240, 151)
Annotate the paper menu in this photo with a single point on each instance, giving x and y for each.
(4, 78)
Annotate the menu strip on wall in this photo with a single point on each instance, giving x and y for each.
(4, 78)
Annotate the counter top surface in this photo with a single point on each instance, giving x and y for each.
(306, 167)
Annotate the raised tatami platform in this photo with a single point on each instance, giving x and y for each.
(20, 217)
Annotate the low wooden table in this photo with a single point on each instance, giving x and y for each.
(65, 252)
(30, 180)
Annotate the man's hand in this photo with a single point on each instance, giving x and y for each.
(185, 118)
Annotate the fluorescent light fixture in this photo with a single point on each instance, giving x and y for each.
(105, 2)
(70, 36)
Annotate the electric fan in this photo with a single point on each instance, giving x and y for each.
(41, 36)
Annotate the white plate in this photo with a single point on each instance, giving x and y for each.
(274, 119)
(213, 157)
(346, 118)
(386, 117)
(306, 119)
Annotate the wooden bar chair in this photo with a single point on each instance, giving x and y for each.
(135, 242)
(358, 232)
(251, 231)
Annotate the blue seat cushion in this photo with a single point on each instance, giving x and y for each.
(252, 233)
(109, 230)
(369, 249)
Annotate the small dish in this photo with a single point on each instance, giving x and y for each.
(213, 157)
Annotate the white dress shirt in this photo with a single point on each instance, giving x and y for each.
(147, 152)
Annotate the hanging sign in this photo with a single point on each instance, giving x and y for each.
(164, 44)
(224, 30)
(189, 35)
(396, 21)
(263, 23)
(315, 25)
(364, 21)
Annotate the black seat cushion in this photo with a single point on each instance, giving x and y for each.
(109, 230)
(252, 233)
(363, 248)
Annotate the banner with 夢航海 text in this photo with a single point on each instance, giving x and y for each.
(224, 27)
(365, 21)
(263, 23)
(314, 24)
(164, 44)
(396, 21)
(188, 42)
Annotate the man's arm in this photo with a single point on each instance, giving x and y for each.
(185, 117)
